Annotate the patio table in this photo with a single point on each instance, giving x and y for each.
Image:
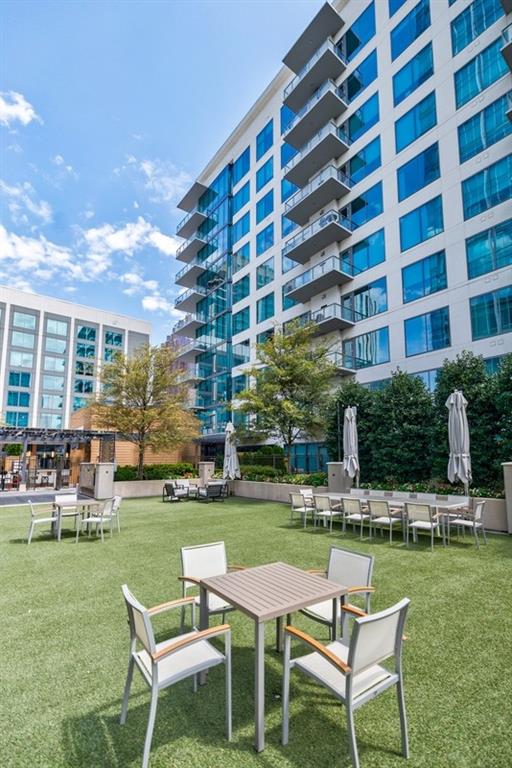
(80, 504)
(263, 593)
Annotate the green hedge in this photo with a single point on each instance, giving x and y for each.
(156, 471)
(271, 475)
(432, 486)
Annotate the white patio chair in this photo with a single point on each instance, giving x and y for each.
(163, 664)
(472, 520)
(353, 570)
(41, 516)
(421, 517)
(353, 511)
(99, 518)
(354, 673)
(302, 506)
(70, 510)
(116, 513)
(325, 509)
(380, 516)
(200, 562)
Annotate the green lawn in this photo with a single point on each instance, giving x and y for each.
(64, 649)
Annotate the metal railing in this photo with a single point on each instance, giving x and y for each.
(331, 217)
(329, 128)
(196, 290)
(329, 85)
(189, 215)
(189, 318)
(184, 245)
(333, 263)
(328, 173)
(328, 45)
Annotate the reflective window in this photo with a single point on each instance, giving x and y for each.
(367, 349)
(417, 121)
(365, 162)
(53, 382)
(52, 402)
(427, 332)
(24, 320)
(489, 250)
(413, 74)
(394, 6)
(287, 116)
(264, 239)
(16, 419)
(364, 254)
(287, 189)
(287, 226)
(287, 302)
(241, 166)
(491, 313)
(241, 257)
(487, 188)
(366, 206)
(57, 327)
(368, 300)
(264, 174)
(287, 264)
(57, 364)
(474, 20)
(361, 77)
(86, 332)
(83, 385)
(50, 420)
(84, 369)
(241, 289)
(113, 338)
(241, 320)
(21, 359)
(429, 378)
(264, 139)
(419, 172)
(265, 273)
(239, 383)
(241, 227)
(18, 399)
(18, 379)
(241, 197)
(264, 206)
(265, 308)
(424, 277)
(55, 345)
(364, 118)
(421, 224)
(85, 350)
(484, 129)
(361, 31)
(410, 28)
(20, 339)
(287, 153)
(479, 73)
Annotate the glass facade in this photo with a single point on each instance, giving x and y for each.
(428, 332)
(479, 73)
(484, 129)
(367, 349)
(413, 74)
(265, 308)
(241, 258)
(241, 166)
(394, 6)
(365, 207)
(491, 313)
(419, 172)
(487, 188)
(241, 320)
(241, 289)
(241, 198)
(421, 224)
(361, 77)
(241, 227)
(424, 277)
(417, 121)
(365, 254)
(410, 28)
(265, 273)
(474, 20)
(364, 118)
(361, 31)
(264, 139)
(368, 300)
(264, 239)
(265, 206)
(367, 160)
(489, 250)
(264, 174)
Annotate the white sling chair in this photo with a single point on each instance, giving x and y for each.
(100, 518)
(354, 673)
(163, 664)
(44, 515)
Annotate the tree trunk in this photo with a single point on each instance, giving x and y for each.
(140, 464)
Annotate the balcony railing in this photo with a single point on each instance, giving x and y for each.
(315, 273)
(196, 290)
(189, 319)
(184, 246)
(331, 217)
(195, 211)
(506, 35)
(328, 173)
(330, 128)
(329, 85)
(327, 46)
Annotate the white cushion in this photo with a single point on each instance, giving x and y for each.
(423, 525)
(386, 520)
(357, 516)
(463, 521)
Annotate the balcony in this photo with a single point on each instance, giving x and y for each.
(190, 272)
(327, 63)
(188, 324)
(327, 274)
(345, 365)
(189, 249)
(328, 103)
(187, 300)
(328, 144)
(190, 222)
(190, 350)
(334, 317)
(507, 45)
(330, 228)
(190, 200)
(330, 184)
(326, 23)
(509, 106)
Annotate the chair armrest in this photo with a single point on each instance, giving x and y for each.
(348, 608)
(193, 579)
(236, 568)
(317, 571)
(351, 590)
(204, 634)
(170, 605)
(339, 664)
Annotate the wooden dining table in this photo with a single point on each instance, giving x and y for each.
(264, 593)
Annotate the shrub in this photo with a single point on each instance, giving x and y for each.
(258, 473)
(271, 475)
(435, 486)
(14, 449)
(155, 471)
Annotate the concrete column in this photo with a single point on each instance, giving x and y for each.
(507, 476)
(206, 470)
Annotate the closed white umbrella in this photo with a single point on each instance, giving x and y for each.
(350, 446)
(231, 464)
(459, 464)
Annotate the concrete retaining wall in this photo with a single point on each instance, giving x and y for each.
(251, 489)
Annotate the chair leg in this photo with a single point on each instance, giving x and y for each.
(352, 737)
(30, 532)
(118, 523)
(101, 532)
(391, 533)
(229, 712)
(151, 724)
(126, 695)
(78, 526)
(484, 535)
(59, 527)
(403, 717)
(476, 537)
(286, 690)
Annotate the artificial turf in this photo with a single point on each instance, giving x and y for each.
(64, 648)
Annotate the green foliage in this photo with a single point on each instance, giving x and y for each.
(433, 486)
(267, 455)
(271, 475)
(504, 408)
(156, 471)
(254, 472)
(14, 449)
(351, 393)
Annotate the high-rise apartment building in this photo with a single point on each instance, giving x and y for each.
(51, 353)
(367, 190)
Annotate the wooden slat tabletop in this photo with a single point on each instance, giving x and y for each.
(268, 591)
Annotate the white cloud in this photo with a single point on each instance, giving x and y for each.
(161, 179)
(137, 284)
(22, 199)
(16, 148)
(88, 213)
(59, 161)
(164, 243)
(129, 238)
(14, 108)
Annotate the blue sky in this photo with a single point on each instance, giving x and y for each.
(107, 111)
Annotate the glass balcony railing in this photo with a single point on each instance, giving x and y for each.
(329, 85)
(187, 320)
(506, 35)
(188, 242)
(342, 360)
(330, 128)
(329, 265)
(204, 264)
(328, 45)
(196, 290)
(331, 217)
(333, 312)
(328, 173)
(189, 215)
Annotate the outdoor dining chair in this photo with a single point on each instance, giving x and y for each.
(70, 510)
(353, 674)
(380, 517)
(353, 570)
(301, 505)
(99, 518)
(353, 511)
(472, 520)
(163, 664)
(422, 517)
(116, 513)
(325, 509)
(40, 516)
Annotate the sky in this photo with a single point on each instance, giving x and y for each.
(108, 111)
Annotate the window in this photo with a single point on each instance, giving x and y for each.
(287, 153)
(56, 364)
(287, 226)
(21, 359)
(493, 364)
(365, 162)
(479, 73)
(55, 345)
(18, 399)
(287, 302)
(287, 264)
(410, 28)
(241, 289)
(241, 166)
(394, 6)
(264, 174)
(367, 349)
(361, 31)
(24, 320)
(427, 332)
(20, 339)
(424, 277)
(364, 118)
(86, 332)
(491, 313)
(366, 206)
(16, 419)
(85, 350)
(50, 420)
(489, 250)
(264, 139)
(265, 273)
(365, 254)
(419, 172)
(422, 223)
(474, 20)
(83, 385)
(361, 77)
(368, 300)
(109, 354)
(53, 382)
(241, 198)
(239, 383)
(264, 206)
(17, 379)
(241, 257)
(264, 336)
(57, 327)
(417, 121)
(413, 74)
(287, 189)
(264, 239)
(52, 402)
(487, 188)
(429, 378)
(265, 308)
(84, 369)
(113, 338)
(287, 116)
(241, 227)
(484, 129)
(241, 321)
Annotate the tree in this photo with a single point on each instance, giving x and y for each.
(402, 417)
(290, 388)
(468, 373)
(351, 393)
(504, 407)
(143, 398)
